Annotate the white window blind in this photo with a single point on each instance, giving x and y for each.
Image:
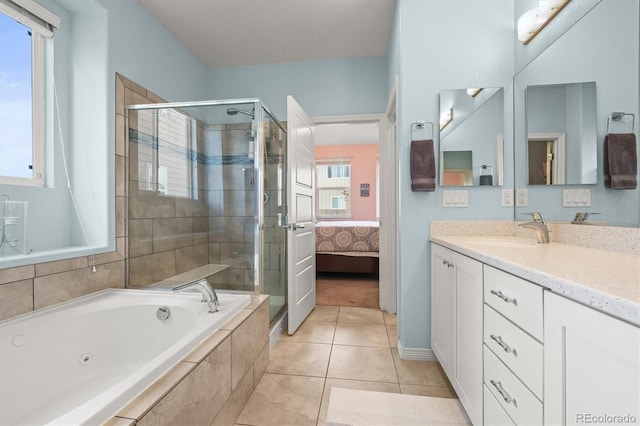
(32, 15)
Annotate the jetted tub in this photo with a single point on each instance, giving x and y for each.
(81, 361)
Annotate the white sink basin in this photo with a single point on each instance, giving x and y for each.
(506, 243)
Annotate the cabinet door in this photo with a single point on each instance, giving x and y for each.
(467, 377)
(442, 306)
(591, 365)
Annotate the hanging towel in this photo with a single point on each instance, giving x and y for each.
(620, 161)
(423, 166)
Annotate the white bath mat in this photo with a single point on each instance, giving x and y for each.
(357, 407)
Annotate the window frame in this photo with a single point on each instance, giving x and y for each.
(40, 22)
(334, 162)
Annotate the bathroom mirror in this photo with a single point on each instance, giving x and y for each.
(472, 137)
(561, 134)
(582, 55)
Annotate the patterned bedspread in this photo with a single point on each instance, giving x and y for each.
(347, 238)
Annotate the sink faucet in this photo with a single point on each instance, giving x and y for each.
(581, 218)
(208, 293)
(539, 225)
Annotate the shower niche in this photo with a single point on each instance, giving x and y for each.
(206, 190)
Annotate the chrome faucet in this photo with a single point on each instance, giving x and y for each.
(539, 225)
(581, 218)
(208, 293)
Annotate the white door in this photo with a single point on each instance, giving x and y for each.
(301, 238)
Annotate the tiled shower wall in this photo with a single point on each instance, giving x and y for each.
(169, 235)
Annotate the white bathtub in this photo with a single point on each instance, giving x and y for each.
(81, 361)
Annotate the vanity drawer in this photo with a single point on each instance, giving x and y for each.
(494, 414)
(517, 299)
(515, 348)
(519, 403)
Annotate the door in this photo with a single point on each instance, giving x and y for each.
(301, 238)
(442, 306)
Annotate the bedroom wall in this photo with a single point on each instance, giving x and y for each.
(364, 160)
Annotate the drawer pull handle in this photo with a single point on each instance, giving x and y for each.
(508, 349)
(503, 393)
(447, 263)
(503, 297)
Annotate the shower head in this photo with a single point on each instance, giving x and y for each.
(235, 111)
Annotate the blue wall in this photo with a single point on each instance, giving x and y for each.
(442, 45)
(331, 87)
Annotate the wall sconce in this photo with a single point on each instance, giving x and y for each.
(445, 118)
(534, 20)
(473, 92)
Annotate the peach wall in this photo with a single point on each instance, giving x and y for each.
(363, 170)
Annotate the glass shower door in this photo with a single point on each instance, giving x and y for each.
(274, 239)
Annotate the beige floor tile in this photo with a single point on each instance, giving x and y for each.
(392, 333)
(438, 391)
(283, 400)
(426, 373)
(390, 319)
(324, 314)
(351, 384)
(312, 332)
(361, 335)
(362, 363)
(360, 315)
(304, 359)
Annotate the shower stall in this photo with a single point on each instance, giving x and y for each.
(206, 196)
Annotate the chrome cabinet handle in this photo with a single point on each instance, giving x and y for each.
(503, 297)
(508, 349)
(503, 393)
(447, 263)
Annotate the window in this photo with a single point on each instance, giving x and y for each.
(24, 31)
(333, 183)
(166, 143)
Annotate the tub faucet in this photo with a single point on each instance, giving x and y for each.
(208, 293)
(539, 225)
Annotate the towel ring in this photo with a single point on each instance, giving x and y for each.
(421, 125)
(617, 116)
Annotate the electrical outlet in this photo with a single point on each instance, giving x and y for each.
(522, 197)
(507, 198)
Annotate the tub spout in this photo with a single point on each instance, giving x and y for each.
(208, 293)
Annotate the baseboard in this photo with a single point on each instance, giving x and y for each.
(416, 354)
(277, 329)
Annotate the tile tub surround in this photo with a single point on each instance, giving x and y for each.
(211, 385)
(608, 281)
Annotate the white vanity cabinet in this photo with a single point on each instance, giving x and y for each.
(592, 366)
(456, 324)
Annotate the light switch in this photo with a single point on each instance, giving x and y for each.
(522, 197)
(507, 198)
(576, 197)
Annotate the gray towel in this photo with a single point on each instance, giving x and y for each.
(423, 166)
(620, 161)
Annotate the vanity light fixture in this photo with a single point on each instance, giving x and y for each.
(445, 118)
(474, 92)
(534, 20)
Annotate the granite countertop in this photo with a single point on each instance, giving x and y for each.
(605, 280)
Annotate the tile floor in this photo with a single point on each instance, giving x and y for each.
(348, 347)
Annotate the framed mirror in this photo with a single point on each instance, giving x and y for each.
(561, 134)
(472, 137)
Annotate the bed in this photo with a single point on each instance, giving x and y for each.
(347, 246)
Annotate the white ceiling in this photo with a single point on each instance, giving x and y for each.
(347, 133)
(228, 33)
